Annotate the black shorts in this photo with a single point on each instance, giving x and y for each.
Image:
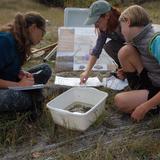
(141, 81)
(147, 84)
(152, 90)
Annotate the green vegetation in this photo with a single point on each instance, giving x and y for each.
(83, 3)
(54, 16)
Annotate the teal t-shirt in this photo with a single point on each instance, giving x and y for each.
(154, 47)
(10, 63)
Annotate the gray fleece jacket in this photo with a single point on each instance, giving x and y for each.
(141, 42)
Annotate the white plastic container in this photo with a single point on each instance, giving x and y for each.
(75, 17)
(76, 120)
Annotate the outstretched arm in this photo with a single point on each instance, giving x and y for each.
(140, 111)
(84, 76)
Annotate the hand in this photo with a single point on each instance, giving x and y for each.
(139, 113)
(120, 74)
(84, 77)
(24, 73)
(26, 81)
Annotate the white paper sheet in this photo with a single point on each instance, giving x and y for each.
(115, 83)
(93, 81)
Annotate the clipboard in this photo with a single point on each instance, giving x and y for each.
(36, 86)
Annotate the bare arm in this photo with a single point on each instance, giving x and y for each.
(84, 76)
(94, 56)
(6, 84)
(154, 101)
(142, 109)
(91, 63)
(23, 82)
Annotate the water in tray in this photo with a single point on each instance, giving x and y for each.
(79, 107)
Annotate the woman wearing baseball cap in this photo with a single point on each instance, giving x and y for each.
(105, 18)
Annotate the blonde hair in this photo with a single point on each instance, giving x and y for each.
(19, 29)
(136, 14)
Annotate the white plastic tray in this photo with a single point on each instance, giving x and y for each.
(77, 120)
(75, 17)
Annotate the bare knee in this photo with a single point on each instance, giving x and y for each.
(125, 52)
(120, 102)
(130, 59)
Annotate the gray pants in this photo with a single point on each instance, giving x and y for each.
(17, 101)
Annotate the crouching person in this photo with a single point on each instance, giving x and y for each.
(140, 61)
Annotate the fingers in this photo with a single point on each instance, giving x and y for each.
(26, 81)
(120, 74)
(136, 117)
(83, 80)
(29, 75)
(23, 74)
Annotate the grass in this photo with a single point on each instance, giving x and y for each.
(141, 148)
(54, 16)
(153, 11)
(15, 129)
(10, 7)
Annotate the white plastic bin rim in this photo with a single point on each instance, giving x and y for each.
(70, 91)
(75, 17)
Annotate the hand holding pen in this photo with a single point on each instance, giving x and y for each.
(23, 74)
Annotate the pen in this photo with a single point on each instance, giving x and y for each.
(35, 73)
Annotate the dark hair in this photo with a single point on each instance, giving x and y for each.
(113, 19)
(19, 28)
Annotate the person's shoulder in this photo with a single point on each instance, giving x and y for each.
(6, 35)
(6, 38)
